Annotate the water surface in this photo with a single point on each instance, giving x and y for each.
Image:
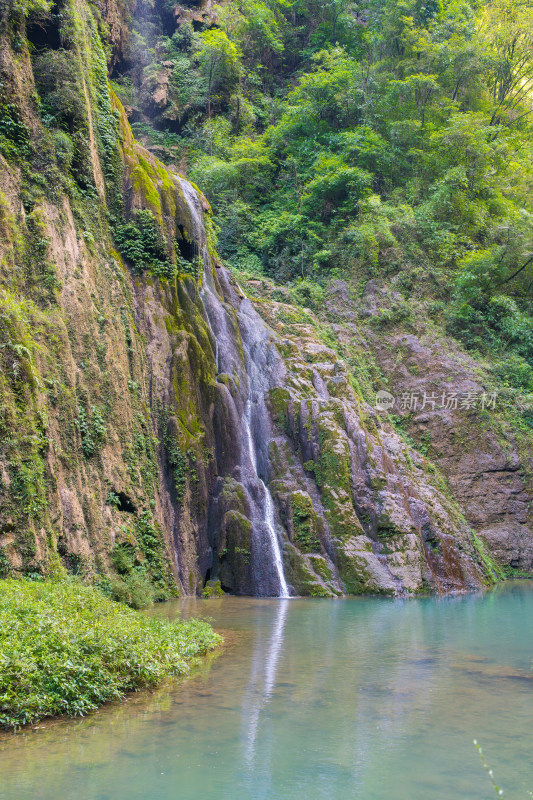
(370, 699)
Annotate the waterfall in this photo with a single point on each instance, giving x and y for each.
(251, 373)
(268, 517)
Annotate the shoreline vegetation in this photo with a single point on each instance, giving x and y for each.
(66, 650)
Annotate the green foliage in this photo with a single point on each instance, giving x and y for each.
(219, 64)
(142, 244)
(66, 649)
(178, 461)
(151, 540)
(5, 567)
(113, 499)
(32, 7)
(339, 139)
(212, 589)
(92, 430)
(23, 424)
(515, 372)
(14, 136)
(41, 271)
(134, 589)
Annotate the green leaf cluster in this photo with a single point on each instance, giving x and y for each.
(142, 244)
(66, 649)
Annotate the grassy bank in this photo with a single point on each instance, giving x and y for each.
(66, 649)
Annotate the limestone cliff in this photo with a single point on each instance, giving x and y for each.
(147, 403)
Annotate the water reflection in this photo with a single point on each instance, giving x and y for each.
(265, 659)
(350, 699)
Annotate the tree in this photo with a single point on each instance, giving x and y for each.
(255, 26)
(219, 63)
(506, 29)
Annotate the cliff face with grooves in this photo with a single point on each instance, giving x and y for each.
(149, 408)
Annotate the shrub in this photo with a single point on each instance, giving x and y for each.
(92, 430)
(14, 136)
(142, 244)
(66, 649)
(515, 371)
(134, 589)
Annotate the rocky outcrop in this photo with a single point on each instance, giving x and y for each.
(350, 490)
(472, 438)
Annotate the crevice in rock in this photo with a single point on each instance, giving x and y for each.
(125, 503)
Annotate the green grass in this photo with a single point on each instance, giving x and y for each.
(66, 649)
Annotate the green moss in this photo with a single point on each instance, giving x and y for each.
(212, 589)
(317, 590)
(353, 569)
(144, 186)
(238, 536)
(279, 405)
(233, 492)
(333, 469)
(320, 566)
(493, 571)
(298, 575)
(234, 550)
(304, 522)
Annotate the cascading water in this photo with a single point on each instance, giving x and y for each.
(251, 376)
(268, 506)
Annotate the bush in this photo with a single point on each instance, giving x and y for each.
(515, 371)
(134, 589)
(14, 136)
(66, 649)
(142, 244)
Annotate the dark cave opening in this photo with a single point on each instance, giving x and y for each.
(45, 33)
(125, 503)
(186, 247)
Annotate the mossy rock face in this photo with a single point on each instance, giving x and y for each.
(361, 571)
(278, 400)
(333, 468)
(321, 567)
(301, 576)
(282, 460)
(212, 589)
(234, 554)
(305, 524)
(235, 496)
(297, 573)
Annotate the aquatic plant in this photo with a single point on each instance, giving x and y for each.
(490, 773)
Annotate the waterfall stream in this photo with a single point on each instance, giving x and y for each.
(251, 377)
(268, 518)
